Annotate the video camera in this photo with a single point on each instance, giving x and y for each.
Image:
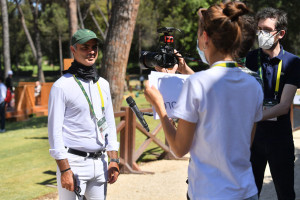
(165, 56)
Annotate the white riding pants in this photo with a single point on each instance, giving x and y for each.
(91, 176)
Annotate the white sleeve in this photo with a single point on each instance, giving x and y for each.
(112, 142)
(188, 104)
(56, 110)
(3, 92)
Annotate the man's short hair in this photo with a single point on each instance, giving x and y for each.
(279, 15)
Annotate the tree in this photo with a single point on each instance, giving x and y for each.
(73, 21)
(35, 47)
(54, 24)
(39, 55)
(6, 47)
(117, 47)
(29, 38)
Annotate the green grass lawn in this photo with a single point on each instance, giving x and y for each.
(25, 165)
(27, 169)
(34, 68)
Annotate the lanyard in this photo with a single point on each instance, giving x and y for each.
(87, 98)
(229, 65)
(278, 73)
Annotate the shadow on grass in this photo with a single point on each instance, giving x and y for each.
(151, 155)
(51, 181)
(37, 138)
(32, 122)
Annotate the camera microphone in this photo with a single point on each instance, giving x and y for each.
(137, 112)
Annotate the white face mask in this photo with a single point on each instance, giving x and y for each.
(266, 40)
(201, 54)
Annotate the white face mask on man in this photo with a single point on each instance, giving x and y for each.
(266, 39)
(201, 54)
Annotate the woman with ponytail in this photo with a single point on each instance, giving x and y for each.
(217, 110)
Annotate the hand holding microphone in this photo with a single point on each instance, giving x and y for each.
(137, 112)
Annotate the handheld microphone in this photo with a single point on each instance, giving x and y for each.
(137, 112)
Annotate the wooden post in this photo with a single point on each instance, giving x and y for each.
(127, 138)
(131, 136)
(124, 142)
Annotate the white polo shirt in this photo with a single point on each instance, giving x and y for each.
(224, 103)
(70, 120)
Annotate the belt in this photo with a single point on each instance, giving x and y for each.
(86, 154)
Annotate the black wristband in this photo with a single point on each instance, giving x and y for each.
(63, 171)
(115, 160)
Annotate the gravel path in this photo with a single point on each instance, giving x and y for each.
(168, 181)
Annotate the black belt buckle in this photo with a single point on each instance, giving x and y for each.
(97, 154)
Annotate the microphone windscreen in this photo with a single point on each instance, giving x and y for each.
(130, 101)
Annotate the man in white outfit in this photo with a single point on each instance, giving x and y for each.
(3, 91)
(81, 125)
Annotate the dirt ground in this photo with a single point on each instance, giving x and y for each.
(168, 181)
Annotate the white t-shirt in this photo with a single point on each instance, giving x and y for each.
(70, 120)
(224, 103)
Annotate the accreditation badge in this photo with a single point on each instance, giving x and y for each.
(269, 104)
(102, 124)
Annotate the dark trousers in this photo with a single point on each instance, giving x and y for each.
(281, 156)
(2, 115)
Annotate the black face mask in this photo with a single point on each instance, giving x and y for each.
(82, 71)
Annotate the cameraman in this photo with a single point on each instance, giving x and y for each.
(215, 114)
(248, 38)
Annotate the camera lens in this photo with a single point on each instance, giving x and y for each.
(153, 59)
(150, 59)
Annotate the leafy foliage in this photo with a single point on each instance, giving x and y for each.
(152, 14)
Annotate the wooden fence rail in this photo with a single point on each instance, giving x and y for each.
(25, 103)
(127, 130)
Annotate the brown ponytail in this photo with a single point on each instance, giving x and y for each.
(223, 25)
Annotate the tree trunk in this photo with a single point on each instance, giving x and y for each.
(73, 22)
(79, 15)
(97, 25)
(41, 76)
(104, 18)
(140, 47)
(117, 47)
(60, 53)
(102, 14)
(26, 31)
(6, 47)
(35, 13)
